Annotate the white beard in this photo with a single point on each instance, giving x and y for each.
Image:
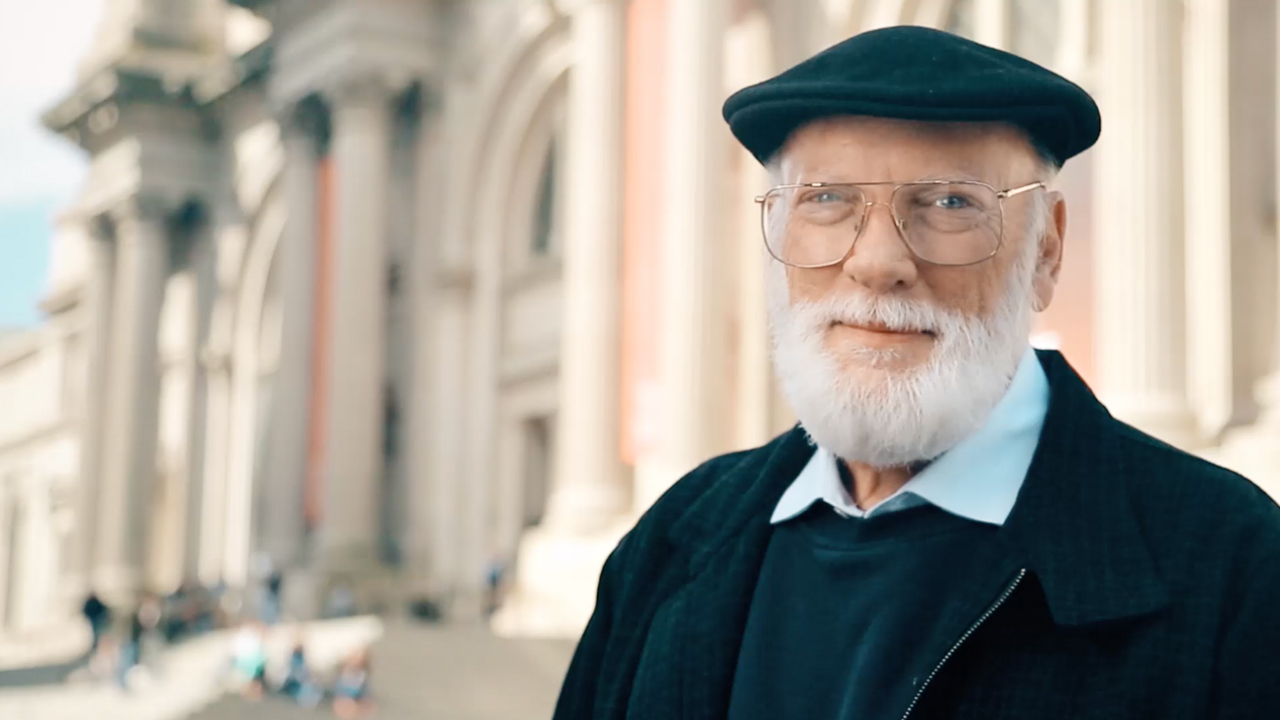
(885, 417)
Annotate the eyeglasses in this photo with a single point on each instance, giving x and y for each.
(942, 222)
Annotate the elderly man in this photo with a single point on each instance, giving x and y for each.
(957, 528)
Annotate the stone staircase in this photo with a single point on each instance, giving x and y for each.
(439, 672)
(177, 682)
(418, 671)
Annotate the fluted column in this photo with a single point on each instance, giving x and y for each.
(693, 356)
(438, 328)
(1268, 390)
(1253, 450)
(352, 449)
(95, 308)
(129, 454)
(1141, 314)
(992, 23)
(1229, 167)
(588, 484)
(204, 274)
(283, 522)
(750, 60)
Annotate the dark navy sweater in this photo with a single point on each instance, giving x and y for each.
(840, 610)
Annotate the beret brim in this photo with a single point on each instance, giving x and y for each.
(913, 73)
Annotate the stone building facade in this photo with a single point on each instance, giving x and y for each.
(382, 290)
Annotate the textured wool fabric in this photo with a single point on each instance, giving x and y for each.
(1142, 583)
(841, 609)
(916, 73)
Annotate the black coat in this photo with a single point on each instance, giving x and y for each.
(1131, 580)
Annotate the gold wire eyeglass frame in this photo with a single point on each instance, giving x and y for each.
(898, 223)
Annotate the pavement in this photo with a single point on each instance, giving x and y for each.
(419, 671)
(174, 683)
(440, 672)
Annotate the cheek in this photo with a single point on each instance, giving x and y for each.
(805, 285)
(971, 291)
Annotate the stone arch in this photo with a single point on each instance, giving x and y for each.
(498, 157)
(526, 405)
(541, 34)
(247, 348)
(538, 160)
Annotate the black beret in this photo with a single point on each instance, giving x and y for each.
(915, 73)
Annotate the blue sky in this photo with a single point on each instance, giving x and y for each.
(24, 259)
(40, 44)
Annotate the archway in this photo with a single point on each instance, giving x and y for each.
(253, 336)
(512, 290)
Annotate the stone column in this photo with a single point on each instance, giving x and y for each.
(750, 60)
(424, 425)
(204, 272)
(693, 353)
(352, 450)
(1268, 390)
(282, 508)
(95, 309)
(1141, 314)
(588, 491)
(129, 454)
(992, 24)
(1252, 450)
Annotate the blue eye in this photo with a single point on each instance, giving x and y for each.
(952, 202)
(827, 196)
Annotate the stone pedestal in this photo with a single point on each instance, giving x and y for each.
(559, 573)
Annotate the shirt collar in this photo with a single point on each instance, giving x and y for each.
(978, 479)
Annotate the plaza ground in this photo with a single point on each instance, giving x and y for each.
(419, 671)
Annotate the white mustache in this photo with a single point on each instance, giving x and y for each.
(896, 314)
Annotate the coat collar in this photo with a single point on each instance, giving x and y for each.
(1074, 520)
(1072, 526)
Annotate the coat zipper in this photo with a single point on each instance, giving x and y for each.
(1013, 585)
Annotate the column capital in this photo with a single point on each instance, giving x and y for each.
(141, 208)
(305, 118)
(364, 87)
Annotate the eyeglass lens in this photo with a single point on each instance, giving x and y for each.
(942, 223)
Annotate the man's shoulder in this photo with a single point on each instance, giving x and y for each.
(1179, 496)
(730, 474)
(683, 496)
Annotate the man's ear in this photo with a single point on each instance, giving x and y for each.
(1049, 258)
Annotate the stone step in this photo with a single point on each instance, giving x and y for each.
(440, 672)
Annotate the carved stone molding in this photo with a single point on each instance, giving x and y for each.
(142, 208)
(305, 118)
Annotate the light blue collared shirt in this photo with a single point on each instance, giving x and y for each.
(978, 479)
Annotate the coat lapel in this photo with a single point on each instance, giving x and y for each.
(1073, 522)
(1071, 530)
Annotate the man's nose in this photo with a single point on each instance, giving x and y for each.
(880, 260)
